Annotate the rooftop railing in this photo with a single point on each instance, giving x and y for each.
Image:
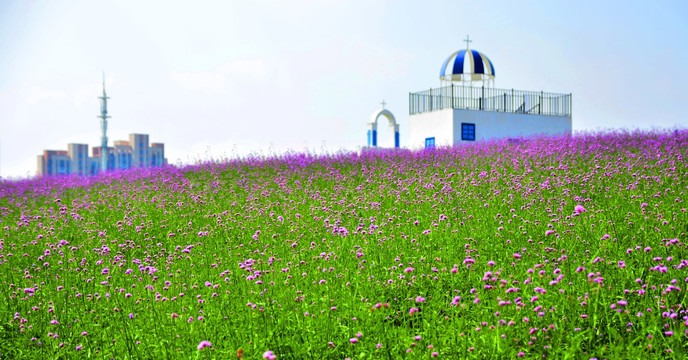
(489, 99)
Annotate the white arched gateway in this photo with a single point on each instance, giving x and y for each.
(372, 127)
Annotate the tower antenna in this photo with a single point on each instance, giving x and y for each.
(103, 125)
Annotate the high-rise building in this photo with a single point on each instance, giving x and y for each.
(78, 154)
(139, 147)
(122, 155)
(54, 162)
(157, 155)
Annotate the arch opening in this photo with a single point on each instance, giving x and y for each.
(373, 134)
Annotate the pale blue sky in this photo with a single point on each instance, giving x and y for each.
(219, 78)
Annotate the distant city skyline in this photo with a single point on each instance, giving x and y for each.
(136, 153)
(227, 78)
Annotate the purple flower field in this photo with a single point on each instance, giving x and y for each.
(537, 248)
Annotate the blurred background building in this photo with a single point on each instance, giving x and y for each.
(137, 153)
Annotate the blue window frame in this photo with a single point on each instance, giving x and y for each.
(430, 143)
(468, 131)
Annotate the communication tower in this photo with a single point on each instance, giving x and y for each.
(104, 154)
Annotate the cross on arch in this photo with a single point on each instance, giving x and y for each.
(383, 104)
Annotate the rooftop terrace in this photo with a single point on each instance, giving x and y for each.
(489, 99)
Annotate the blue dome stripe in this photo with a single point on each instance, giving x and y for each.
(444, 66)
(488, 64)
(458, 62)
(477, 63)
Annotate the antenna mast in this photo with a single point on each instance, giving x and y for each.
(103, 125)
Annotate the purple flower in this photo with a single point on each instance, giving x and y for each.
(269, 355)
(203, 344)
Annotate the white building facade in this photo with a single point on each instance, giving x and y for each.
(466, 108)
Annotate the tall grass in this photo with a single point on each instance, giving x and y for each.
(568, 247)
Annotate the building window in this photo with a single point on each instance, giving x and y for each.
(430, 143)
(467, 131)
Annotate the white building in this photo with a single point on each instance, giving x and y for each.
(468, 108)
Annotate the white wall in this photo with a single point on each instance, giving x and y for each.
(437, 124)
(445, 125)
(494, 124)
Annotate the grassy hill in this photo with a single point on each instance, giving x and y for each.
(569, 247)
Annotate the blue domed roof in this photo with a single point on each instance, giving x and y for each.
(467, 65)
